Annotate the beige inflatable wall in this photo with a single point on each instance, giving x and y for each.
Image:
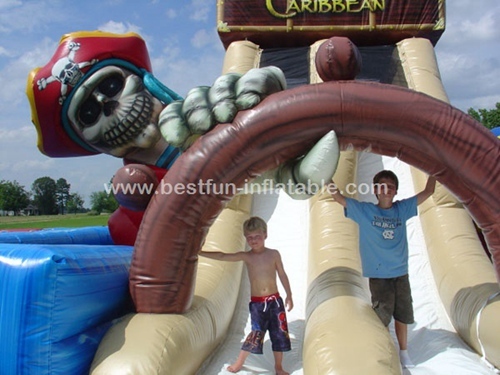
(343, 335)
(463, 273)
(178, 344)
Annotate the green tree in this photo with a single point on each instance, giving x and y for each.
(44, 195)
(74, 203)
(488, 117)
(100, 201)
(62, 194)
(13, 197)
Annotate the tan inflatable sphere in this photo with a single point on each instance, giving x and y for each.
(338, 59)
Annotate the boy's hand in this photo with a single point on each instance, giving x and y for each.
(332, 188)
(289, 303)
(336, 194)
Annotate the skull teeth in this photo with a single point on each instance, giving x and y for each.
(135, 120)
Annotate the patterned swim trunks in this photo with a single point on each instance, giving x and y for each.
(267, 314)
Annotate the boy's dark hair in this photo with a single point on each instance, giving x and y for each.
(253, 224)
(390, 175)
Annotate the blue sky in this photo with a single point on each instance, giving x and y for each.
(186, 52)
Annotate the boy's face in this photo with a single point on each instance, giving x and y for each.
(385, 189)
(256, 238)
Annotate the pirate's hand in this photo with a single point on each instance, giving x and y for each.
(181, 122)
(304, 177)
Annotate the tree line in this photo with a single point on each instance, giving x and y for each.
(490, 118)
(50, 197)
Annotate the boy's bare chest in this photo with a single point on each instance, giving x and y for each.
(262, 263)
(260, 259)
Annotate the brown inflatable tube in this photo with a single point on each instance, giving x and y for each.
(424, 132)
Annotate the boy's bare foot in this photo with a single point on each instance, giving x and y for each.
(405, 359)
(235, 367)
(282, 372)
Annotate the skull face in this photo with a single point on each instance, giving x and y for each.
(113, 112)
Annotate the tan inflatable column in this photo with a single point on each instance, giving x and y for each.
(241, 57)
(343, 335)
(464, 275)
(179, 344)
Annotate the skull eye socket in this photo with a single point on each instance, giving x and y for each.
(89, 111)
(112, 85)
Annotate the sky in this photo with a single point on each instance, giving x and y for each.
(185, 51)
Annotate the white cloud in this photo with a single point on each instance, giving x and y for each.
(484, 28)
(6, 4)
(200, 9)
(26, 171)
(14, 74)
(181, 73)
(201, 38)
(29, 15)
(5, 52)
(114, 2)
(17, 135)
(470, 80)
(468, 53)
(33, 165)
(171, 13)
(119, 27)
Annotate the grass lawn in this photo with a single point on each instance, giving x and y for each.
(53, 221)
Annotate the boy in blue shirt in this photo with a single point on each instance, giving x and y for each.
(383, 248)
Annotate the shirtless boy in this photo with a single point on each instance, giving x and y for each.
(267, 310)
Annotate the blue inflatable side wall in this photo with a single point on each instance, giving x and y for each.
(59, 236)
(496, 131)
(58, 298)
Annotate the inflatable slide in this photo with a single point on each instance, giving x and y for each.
(339, 322)
(70, 297)
(338, 317)
(434, 343)
(353, 327)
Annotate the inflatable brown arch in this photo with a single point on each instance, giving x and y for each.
(388, 120)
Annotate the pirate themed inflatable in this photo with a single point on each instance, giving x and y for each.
(97, 95)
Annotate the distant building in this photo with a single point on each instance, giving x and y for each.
(30, 210)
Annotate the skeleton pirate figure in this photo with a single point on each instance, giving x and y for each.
(97, 95)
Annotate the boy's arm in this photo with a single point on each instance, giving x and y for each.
(430, 186)
(336, 194)
(284, 281)
(228, 257)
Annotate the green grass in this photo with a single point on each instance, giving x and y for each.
(53, 221)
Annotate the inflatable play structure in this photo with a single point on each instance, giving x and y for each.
(134, 298)
(496, 131)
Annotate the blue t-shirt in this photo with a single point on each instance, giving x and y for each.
(382, 236)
